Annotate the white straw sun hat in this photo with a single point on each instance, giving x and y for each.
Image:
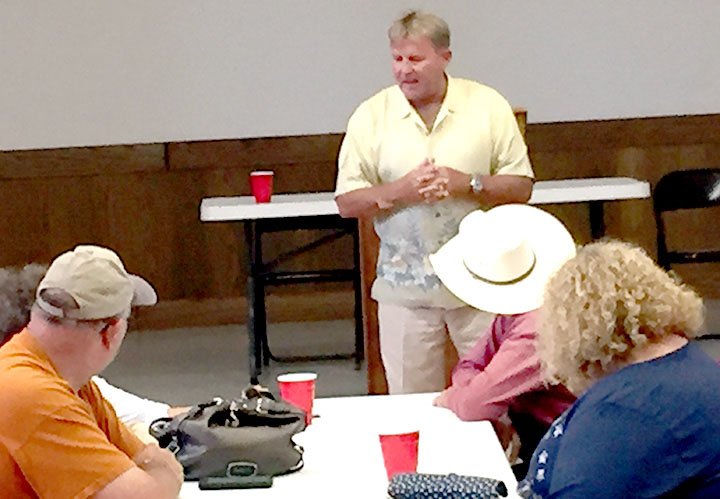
(501, 259)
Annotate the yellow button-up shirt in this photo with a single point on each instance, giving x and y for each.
(475, 132)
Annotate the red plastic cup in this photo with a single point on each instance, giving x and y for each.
(400, 452)
(298, 389)
(261, 185)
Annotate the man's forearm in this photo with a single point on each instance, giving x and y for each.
(166, 480)
(162, 467)
(505, 189)
(369, 201)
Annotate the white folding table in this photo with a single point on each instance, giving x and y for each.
(289, 212)
(594, 191)
(343, 457)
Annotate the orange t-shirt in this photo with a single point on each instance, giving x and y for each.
(55, 442)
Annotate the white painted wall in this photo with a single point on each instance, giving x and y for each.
(91, 72)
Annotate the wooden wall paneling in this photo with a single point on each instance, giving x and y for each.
(557, 164)
(57, 201)
(50, 215)
(82, 161)
(224, 242)
(254, 153)
(311, 176)
(77, 212)
(144, 215)
(194, 273)
(145, 203)
(614, 134)
(24, 224)
(297, 307)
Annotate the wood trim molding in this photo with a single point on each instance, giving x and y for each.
(82, 161)
(634, 132)
(254, 153)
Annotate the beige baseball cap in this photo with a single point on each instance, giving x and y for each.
(96, 278)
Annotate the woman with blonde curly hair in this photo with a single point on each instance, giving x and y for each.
(615, 329)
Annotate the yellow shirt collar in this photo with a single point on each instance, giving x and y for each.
(405, 109)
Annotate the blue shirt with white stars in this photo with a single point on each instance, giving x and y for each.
(651, 429)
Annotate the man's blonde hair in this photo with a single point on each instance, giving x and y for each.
(418, 23)
(602, 304)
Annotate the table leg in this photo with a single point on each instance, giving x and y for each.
(254, 341)
(260, 314)
(357, 286)
(597, 219)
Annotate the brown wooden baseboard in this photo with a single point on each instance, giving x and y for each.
(313, 306)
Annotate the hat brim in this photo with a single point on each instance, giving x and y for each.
(144, 294)
(550, 241)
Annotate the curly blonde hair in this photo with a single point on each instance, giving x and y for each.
(602, 304)
(17, 294)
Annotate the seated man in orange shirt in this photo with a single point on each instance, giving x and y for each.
(18, 286)
(58, 436)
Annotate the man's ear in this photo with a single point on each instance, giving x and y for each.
(109, 331)
(447, 55)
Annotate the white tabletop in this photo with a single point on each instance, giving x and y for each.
(575, 190)
(224, 209)
(343, 456)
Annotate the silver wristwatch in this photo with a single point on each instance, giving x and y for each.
(476, 184)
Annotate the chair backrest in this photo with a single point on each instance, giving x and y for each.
(682, 190)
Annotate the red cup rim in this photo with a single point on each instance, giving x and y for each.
(261, 172)
(401, 434)
(296, 377)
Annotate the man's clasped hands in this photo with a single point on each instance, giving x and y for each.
(432, 183)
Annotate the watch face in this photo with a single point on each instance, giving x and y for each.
(476, 183)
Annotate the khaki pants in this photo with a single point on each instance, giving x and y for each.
(412, 343)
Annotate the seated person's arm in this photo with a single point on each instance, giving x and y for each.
(157, 474)
(513, 370)
(66, 453)
(478, 357)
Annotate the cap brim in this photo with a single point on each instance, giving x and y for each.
(144, 294)
(551, 242)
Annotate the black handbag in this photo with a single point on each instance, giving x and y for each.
(250, 435)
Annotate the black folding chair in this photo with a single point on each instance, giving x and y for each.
(685, 190)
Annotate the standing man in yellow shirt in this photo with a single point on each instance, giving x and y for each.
(418, 157)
